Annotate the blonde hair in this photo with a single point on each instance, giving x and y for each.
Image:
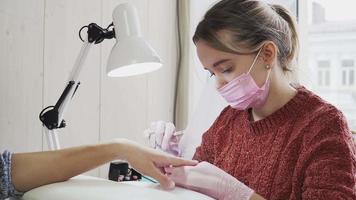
(248, 24)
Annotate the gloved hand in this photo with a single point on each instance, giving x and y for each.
(210, 180)
(162, 135)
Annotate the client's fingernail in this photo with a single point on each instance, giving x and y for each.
(195, 162)
(171, 185)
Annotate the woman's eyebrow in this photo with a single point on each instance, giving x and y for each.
(220, 62)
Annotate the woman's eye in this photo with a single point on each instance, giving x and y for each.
(226, 70)
(211, 74)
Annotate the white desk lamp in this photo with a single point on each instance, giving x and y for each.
(131, 55)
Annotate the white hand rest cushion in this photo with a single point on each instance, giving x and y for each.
(90, 188)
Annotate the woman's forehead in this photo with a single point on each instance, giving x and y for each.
(207, 52)
(209, 56)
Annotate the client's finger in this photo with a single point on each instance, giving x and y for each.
(178, 162)
(163, 179)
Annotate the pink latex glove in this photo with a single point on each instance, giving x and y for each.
(210, 180)
(163, 135)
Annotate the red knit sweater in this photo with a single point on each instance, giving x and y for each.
(304, 150)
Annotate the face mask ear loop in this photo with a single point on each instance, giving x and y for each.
(254, 61)
(269, 72)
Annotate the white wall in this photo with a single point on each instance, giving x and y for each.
(198, 77)
(39, 43)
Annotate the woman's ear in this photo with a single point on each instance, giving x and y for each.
(269, 53)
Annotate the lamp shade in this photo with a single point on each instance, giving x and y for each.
(131, 55)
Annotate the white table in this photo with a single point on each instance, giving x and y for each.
(90, 188)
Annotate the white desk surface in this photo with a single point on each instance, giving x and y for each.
(90, 188)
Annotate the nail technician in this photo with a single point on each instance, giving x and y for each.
(275, 140)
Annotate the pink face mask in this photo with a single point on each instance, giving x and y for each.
(243, 92)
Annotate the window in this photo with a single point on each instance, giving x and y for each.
(348, 72)
(328, 47)
(323, 73)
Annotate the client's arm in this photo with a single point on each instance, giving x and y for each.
(30, 170)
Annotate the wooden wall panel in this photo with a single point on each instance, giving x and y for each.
(21, 74)
(162, 34)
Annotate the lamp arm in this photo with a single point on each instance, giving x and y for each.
(73, 82)
(52, 116)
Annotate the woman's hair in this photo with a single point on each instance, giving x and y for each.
(243, 26)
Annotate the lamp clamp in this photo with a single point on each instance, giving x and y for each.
(97, 34)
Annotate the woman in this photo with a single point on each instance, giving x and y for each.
(274, 140)
(25, 171)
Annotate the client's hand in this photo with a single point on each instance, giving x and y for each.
(31, 170)
(163, 135)
(151, 162)
(210, 180)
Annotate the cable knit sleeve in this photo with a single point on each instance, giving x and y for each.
(205, 152)
(6, 187)
(330, 162)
